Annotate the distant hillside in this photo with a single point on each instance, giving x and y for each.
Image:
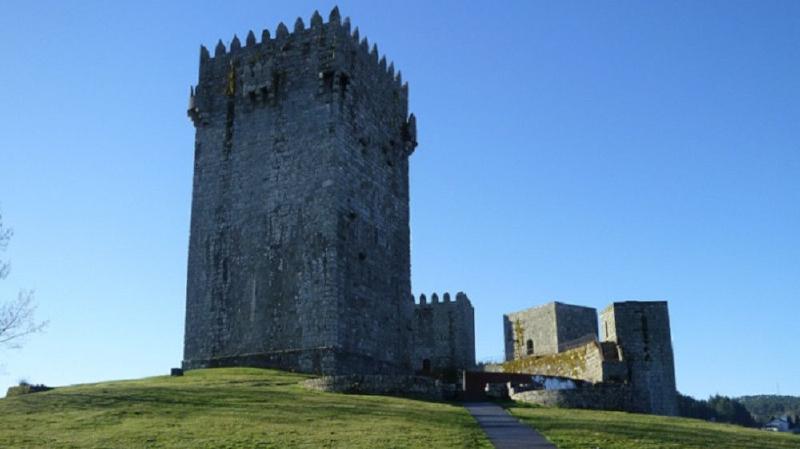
(765, 406)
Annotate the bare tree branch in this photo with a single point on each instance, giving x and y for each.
(5, 236)
(17, 319)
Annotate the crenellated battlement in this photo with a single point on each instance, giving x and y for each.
(461, 299)
(444, 334)
(334, 28)
(338, 63)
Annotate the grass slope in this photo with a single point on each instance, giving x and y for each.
(586, 429)
(228, 408)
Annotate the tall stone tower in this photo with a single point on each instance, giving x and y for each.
(641, 330)
(299, 244)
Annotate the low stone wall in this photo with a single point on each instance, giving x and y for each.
(416, 386)
(595, 397)
(589, 361)
(318, 360)
(583, 362)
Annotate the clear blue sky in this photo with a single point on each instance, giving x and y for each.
(584, 152)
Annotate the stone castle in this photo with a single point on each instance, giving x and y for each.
(299, 248)
(629, 367)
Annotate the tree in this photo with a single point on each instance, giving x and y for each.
(731, 411)
(690, 407)
(17, 316)
(716, 408)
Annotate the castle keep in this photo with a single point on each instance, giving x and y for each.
(299, 243)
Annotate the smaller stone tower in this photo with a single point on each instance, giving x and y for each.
(641, 330)
(444, 335)
(547, 329)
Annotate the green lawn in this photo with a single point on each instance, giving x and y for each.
(228, 408)
(585, 429)
(252, 408)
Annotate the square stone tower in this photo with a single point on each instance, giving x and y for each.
(299, 247)
(547, 329)
(641, 329)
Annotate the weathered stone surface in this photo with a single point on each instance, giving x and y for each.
(299, 244)
(642, 330)
(636, 350)
(597, 397)
(547, 329)
(443, 335)
(397, 385)
(587, 362)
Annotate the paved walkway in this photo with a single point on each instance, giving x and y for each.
(505, 431)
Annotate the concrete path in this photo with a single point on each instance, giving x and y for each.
(505, 431)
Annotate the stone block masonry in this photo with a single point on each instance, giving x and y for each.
(396, 385)
(299, 252)
(443, 335)
(634, 350)
(594, 397)
(641, 329)
(547, 329)
(587, 362)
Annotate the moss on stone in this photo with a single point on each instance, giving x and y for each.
(519, 337)
(571, 363)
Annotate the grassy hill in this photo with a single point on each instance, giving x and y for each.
(251, 408)
(227, 408)
(585, 429)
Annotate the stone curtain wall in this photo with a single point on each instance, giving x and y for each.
(443, 334)
(584, 363)
(398, 385)
(642, 332)
(596, 397)
(545, 328)
(299, 244)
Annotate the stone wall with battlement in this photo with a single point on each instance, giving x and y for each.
(443, 334)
